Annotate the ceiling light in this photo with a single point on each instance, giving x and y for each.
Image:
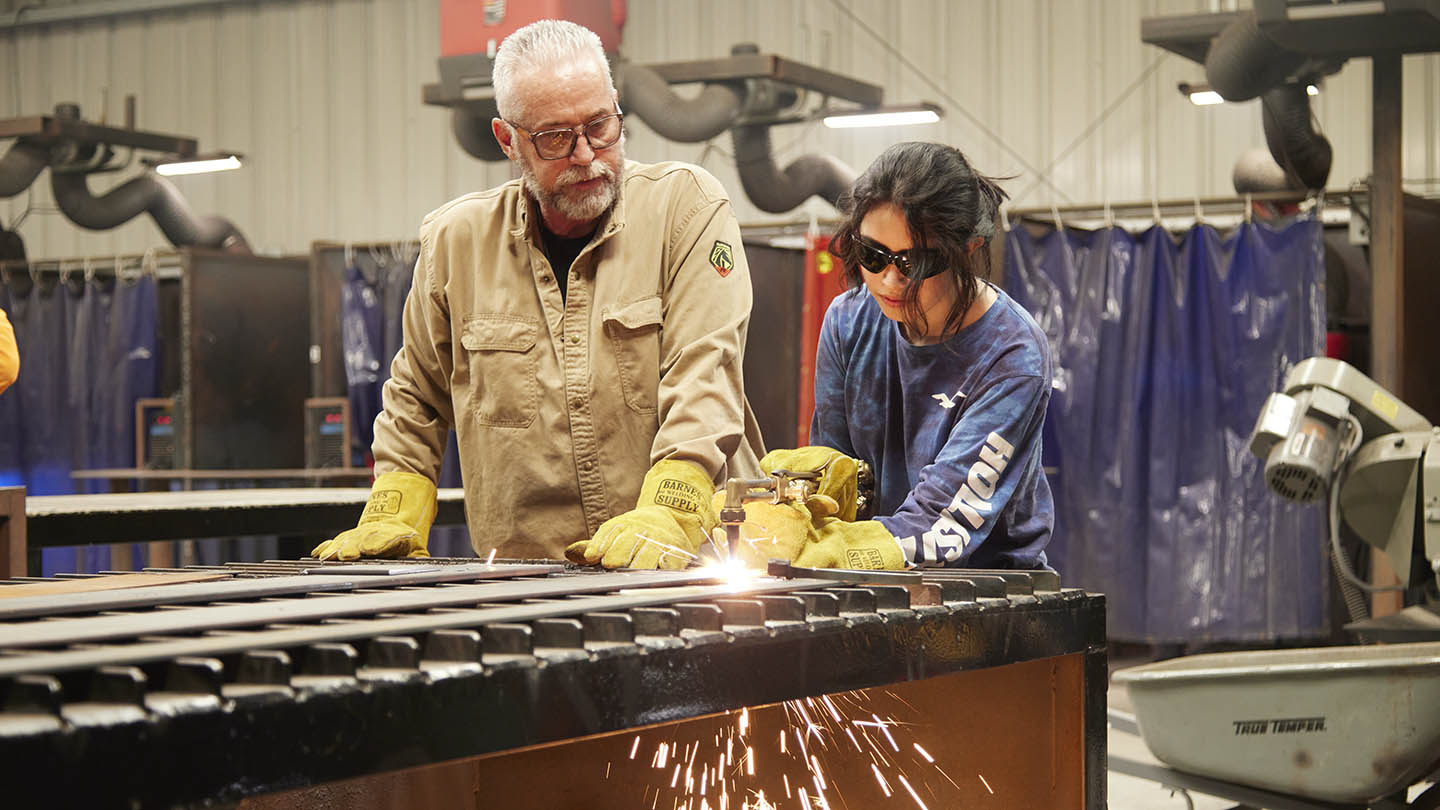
(1312, 90)
(199, 164)
(890, 116)
(1200, 94)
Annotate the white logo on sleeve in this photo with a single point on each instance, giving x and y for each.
(947, 538)
(946, 402)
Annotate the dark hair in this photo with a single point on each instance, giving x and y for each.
(946, 204)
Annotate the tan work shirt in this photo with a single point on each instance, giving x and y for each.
(561, 404)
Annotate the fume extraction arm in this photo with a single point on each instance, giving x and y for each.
(746, 94)
(74, 149)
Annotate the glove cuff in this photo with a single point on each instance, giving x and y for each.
(402, 496)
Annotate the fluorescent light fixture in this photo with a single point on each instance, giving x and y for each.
(199, 164)
(1200, 94)
(894, 116)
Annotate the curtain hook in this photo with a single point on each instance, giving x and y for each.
(1003, 211)
(1109, 214)
(148, 263)
(349, 255)
(1199, 212)
(376, 256)
(1055, 212)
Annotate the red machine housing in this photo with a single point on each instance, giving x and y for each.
(478, 26)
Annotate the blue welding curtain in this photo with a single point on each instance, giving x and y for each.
(372, 309)
(1165, 353)
(88, 349)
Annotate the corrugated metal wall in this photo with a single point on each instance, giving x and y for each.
(323, 96)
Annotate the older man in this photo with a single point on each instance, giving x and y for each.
(582, 329)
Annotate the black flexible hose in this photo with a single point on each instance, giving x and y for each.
(1242, 62)
(644, 93)
(1304, 153)
(147, 192)
(776, 191)
(21, 164)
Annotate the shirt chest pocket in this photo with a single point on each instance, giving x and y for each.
(504, 369)
(633, 331)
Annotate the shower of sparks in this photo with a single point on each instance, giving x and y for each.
(491, 558)
(986, 784)
(879, 777)
(819, 743)
(913, 794)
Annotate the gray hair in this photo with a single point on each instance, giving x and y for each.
(541, 43)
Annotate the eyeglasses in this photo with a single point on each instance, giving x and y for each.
(916, 263)
(558, 144)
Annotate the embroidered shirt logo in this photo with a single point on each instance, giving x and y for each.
(948, 402)
(722, 258)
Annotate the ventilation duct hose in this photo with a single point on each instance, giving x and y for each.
(1304, 153)
(150, 193)
(776, 191)
(471, 126)
(1243, 63)
(645, 94)
(21, 164)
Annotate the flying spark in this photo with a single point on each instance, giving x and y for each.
(986, 784)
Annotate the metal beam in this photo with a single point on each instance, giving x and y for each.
(29, 15)
(1387, 264)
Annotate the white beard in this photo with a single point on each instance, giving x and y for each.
(580, 207)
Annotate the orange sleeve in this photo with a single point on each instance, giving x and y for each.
(9, 353)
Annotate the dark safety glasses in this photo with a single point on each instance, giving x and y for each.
(916, 263)
(558, 144)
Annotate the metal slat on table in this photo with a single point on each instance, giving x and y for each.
(69, 520)
(249, 588)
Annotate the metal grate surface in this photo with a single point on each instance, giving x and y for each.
(292, 673)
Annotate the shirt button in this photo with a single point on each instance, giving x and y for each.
(577, 403)
(545, 277)
(574, 339)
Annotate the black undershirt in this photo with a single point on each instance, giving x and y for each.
(562, 252)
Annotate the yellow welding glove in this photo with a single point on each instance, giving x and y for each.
(863, 545)
(395, 523)
(839, 473)
(776, 531)
(671, 518)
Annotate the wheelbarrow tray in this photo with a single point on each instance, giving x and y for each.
(1339, 724)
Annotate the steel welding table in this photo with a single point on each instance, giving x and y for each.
(28, 524)
(443, 683)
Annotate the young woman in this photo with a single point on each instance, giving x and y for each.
(932, 375)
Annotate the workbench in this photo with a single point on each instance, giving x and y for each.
(46, 521)
(445, 683)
